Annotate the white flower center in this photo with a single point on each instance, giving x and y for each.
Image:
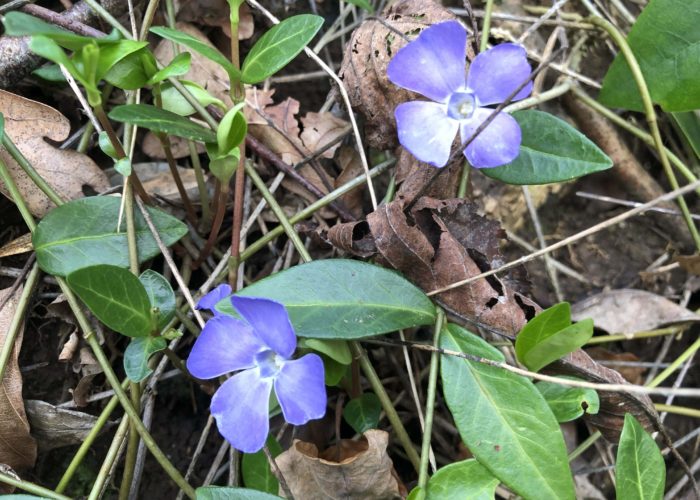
(461, 105)
(269, 363)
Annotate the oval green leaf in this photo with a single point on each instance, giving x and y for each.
(159, 120)
(224, 493)
(160, 295)
(84, 232)
(177, 67)
(174, 101)
(460, 480)
(504, 421)
(337, 350)
(115, 296)
(640, 470)
(256, 471)
(278, 46)
(137, 354)
(343, 299)
(551, 151)
(569, 403)
(363, 413)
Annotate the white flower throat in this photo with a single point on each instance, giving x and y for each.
(461, 105)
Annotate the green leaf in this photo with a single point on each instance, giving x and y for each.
(177, 67)
(2, 126)
(256, 471)
(363, 4)
(175, 102)
(640, 470)
(200, 47)
(551, 151)
(333, 372)
(343, 299)
(223, 493)
(504, 421)
(21, 24)
(115, 296)
(129, 73)
(123, 166)
(160, 295)
(83, 233)
(160, 120)
(460, 480)
(106, 145)
(334, 349)
(278, 46)
(569, 403)
(689, 123)
(363, 413)
(666, 43)
(50, 73)
(550, 335)
(111, 53)
(232, 129)
(137, 354)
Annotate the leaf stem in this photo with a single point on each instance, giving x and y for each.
(690, 351)
(430, 402)
(109, 460)
(486, 27)
(31, 487)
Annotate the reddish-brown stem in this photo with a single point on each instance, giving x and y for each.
(220, 196)
(189, 208)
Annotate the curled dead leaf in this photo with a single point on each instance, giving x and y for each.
(352, 470)
(353, 237)
(17, 246)
(321, 129)
(28, 123)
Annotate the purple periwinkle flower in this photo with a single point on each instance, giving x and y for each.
(260, 347)
(210, 300)
(434, 65)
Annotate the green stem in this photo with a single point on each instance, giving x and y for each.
(109, 18)
(486, 27)
(148, 18)
(430, 402)
(602, 339)
(31, 487)
(464, 180)
(201, 185)
(16, 196)
(389, 409)
(279, 213)
(585, 445)
(621, 42)
(109, 459)
(132, 446)
(690, 351)
(678, 410)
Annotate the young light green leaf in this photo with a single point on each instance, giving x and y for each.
(550, 335)
(106, 145)
(160, 295)
(129, 73)
(232, 129)
(123, 166)
(363, 4)
(504, 421)
(20, 24)
(551, 151)
(111, 53)
(640, 470)
(334, 349)
(174, 101)
(137, 354)
(460, 480)
(115, 296)
(278, 46)
(160, 120)
(363, 413)
(50, 73)
(666, 43)
(256, 471)
(200, 47)
(343, 299)
(569, 403)
(84, 232)
(177, 67)
(224, 493)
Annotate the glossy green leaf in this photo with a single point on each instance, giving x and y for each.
(460, 480)
(111, 53)
(363, 413)
(160, 294)
(551, 151)
(177, 67)
(106, 145)
(504, 421)
(198, 46)
(223, 493)
(550, 335)
(278, 46)
(115, 296)
(20, 24)
(569, 403)
(334, 349)
(363, 4)
(123, 166)
(129, 73)
(160, 120)
(174, 101)
(665, 41)
(689, 123)
(256, 471)
(51, 73)
(416, 493)
(232, 129)
(640, 471)
(343, 299)
(84, 232)
(48, 49)
(333, 372)
(137, 354)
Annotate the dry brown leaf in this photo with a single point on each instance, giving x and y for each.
(17, 447)
(417, 179)
(351, 167)
(17, 246)
(689, 263)
(28, 123)
(354, 470)
(158, 181)
(69, 348)
(633, 374)
(283, 137)
(152, 147)
(630, 311)
(216, 13)
(352, 237)
(321, 129)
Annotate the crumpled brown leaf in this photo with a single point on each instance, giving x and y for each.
(629, 311)
(321, 129)
(354, 470)
(216, 13)
(366, 57)
(17, 246)
(17, 447)
(158, 180)
(28, 123)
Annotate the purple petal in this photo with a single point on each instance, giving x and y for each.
(301, 390)
(210, 300)
(497, 145)
(496, 73)
(270, 321)
(434, 63)
(241, 409)
(426, 131)
(225, 345)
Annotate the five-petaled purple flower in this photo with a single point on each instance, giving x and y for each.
(261, 346)
(433, 65)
